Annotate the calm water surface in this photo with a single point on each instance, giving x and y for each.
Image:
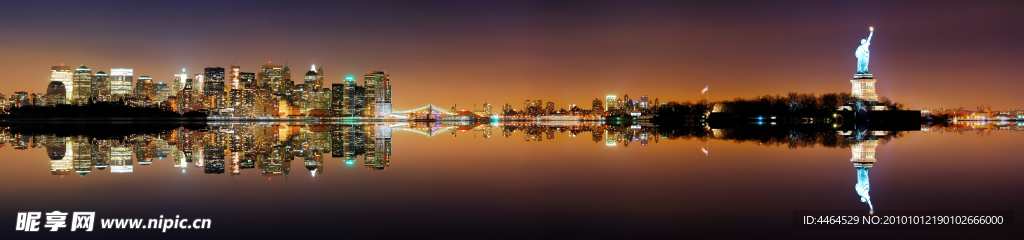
(558, 180)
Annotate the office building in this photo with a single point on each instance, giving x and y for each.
(81, 86)
(62, 74)
(121, 82)
(101, 86)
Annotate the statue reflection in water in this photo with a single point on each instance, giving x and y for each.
(863, 149)
(863, 186)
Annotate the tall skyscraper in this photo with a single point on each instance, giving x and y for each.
(161, 92)
(186, 97)
(233, 78)
(144, 88)
(611, 103)
(82, 86)
(271, 77)
(101, 86)
(597, 107)
(338, 99)
(320, 77)
(352, 98)
(311, 80)
(179, 82)
(214, 96)
(286, 78)
(62, 74)
(378, 94)
(198, 84)
(645, 103)
(121, 82)
(56, 93)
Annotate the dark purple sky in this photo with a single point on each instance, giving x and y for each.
(924, 53)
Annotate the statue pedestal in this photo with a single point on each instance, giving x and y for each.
(864, 153)
(864, 87)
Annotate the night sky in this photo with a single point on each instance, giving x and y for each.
(924, 54)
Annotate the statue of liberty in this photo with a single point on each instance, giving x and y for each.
(863, 54)
(863, 186)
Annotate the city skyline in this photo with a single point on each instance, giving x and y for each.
(495, 53)
(272, 93)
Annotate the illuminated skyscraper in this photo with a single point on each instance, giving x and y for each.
(271, 77)
(186, 97)
(611, 103)
(214, 96)
(144, 88)
(645, 103)
(286, 77)
(626, 104)
(338, 99)
(101, 86)
(62, 74)
(314, 79)
(311, 80)
(179, 82)
(233, 78)
(349, 99)
(198, 85)
(320, 77)
(597, 107)
(121, 82)
(82, 86)
(56, 93)
(378, 94)
(161, 92)
(312, 96)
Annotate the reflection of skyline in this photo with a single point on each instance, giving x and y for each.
(220, 148)
(272, 147)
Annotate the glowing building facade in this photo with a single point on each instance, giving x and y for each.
(101, 86)
(121, 82)
(62, 74)
(81, 86)
(378, 94)
(271, 77)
